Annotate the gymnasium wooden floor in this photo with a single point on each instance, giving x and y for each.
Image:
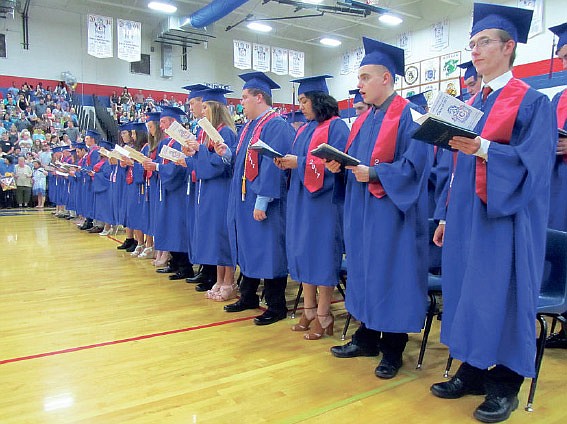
(91, 335)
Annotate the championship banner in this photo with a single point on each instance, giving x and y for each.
(345, 64)
(279, 61)
(99, 36)
(405, 41)
(261, 58)
(537, 19)
(242, 54)
(296, 64)
(129, 40)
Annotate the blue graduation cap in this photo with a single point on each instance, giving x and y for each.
(94, 134)
(152, 116)
(57, 149)
(561, 32)
(215, 95)
(357, 96)
(106, 144)
(81, 146)
(260, 81)
(418, 99)
(126, 127)
(296, 116)
(513, 20)
(470, 70)
(139, 127)
(315, 83)
(171, 112)
(195, 90)
(378, 53)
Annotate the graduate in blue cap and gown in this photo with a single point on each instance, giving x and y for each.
(103, 202)
(92, 157)
(207, 275)
(78, 179)
(257, 202)
(494, 237)
(558, 203)
(314, 236)
(171, 221)
(385, 216)
(213, 175)
(295, 118)
(471, 78)
(137, 213)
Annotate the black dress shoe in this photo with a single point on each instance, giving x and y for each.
(132, 247)
(351, 350)
(556, 341)
(495, 409)
(127, 243)
(179, 275)
(239, 306)
(86, 226)
(95, 230)
(269, 317)
(200, 278)
(166, 270)
(203, 287)
(388, 368)
(455, 388)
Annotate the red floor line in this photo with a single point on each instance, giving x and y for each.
(113, 239)
(128, 340)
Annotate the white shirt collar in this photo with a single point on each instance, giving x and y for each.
(499, 82)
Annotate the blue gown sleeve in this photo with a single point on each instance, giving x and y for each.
(209, 165)
(271, 181)
(516, 171)
(172, 176)
(444, 169)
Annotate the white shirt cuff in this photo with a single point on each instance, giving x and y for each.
(482, 151)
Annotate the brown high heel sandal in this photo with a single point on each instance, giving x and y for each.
(303, 324)
(318, 330)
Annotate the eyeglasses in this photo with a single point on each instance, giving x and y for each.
(482, 43)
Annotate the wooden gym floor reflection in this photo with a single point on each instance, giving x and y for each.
(91, 335)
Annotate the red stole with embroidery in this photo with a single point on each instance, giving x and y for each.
(153, 156)
(251, 165)
(385, 144)
(499, 125)
(314, 176)
(94, 148)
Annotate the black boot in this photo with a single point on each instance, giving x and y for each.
(132, 247)
(127, 243)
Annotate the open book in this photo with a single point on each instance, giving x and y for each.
(448, 117)
(324, 151)
(211, 131)
(179, 133)
(132, 154)
(265, 150)
(171, 154)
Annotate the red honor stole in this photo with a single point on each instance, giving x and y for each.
(385, 144)
(499, 125)
(251, 165)
(95, 147)
(562, 114)
(153, 156)
(130, 175)
(97, 167)
(315, 167)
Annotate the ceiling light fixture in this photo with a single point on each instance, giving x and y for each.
(331, 42)
(162, 7)
(313, 1)
(388, 19)
(257, 26)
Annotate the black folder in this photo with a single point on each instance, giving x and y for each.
(439, 133)
(324, 151)
(265, 150)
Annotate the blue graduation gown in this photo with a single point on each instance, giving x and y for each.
(89, 195)
(102, 196)
(211, 245)
(387, 239)
(119, 195)
(259, 246)
(153, 191)
(137, 203)
(314, 236)
(170, 229)
(493, 253)
(558, 200)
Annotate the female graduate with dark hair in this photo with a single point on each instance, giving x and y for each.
(314, 225)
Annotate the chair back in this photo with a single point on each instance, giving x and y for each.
(554, 282)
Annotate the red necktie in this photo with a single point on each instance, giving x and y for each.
(485, 92)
